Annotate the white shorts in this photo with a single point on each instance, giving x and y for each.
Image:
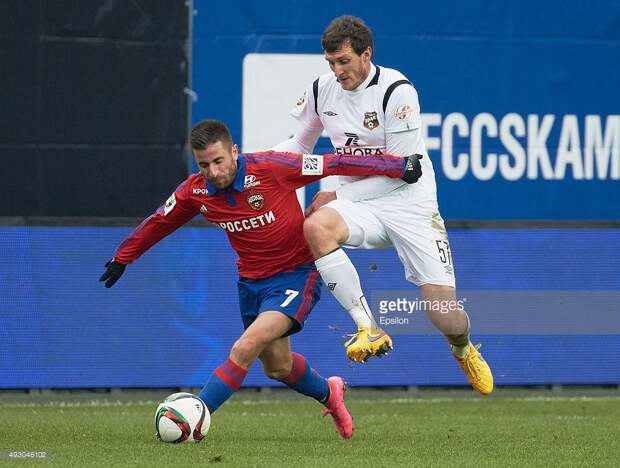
(415, 229)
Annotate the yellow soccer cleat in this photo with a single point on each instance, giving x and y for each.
(367, 342)
(477, 370)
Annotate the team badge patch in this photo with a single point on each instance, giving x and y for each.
(256, 201)
(403, 112)
(371, 121)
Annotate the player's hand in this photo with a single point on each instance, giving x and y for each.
(320, 199)
(413, 169)
(113, 273)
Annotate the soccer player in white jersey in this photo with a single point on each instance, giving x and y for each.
(368, 109)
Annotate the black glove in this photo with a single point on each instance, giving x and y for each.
(413, 169)
(113, 273)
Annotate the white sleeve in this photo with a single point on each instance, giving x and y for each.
(302, 142)
(403, 110)
(310, 127)
(397, 144)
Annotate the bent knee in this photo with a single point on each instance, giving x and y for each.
(325, 224)
(438, 290)
(316, 227)
(437, 287)
(246, 348)
(277, 373)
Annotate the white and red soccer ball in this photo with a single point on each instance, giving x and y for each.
(182, 417)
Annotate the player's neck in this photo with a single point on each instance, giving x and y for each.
(370, 72)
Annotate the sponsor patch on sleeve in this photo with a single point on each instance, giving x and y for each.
(301, 102)
(403, 111)
(312, 165)
(170, 204)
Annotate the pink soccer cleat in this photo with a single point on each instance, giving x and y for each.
(335, 406)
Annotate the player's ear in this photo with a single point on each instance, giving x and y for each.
(235, 151)
(367, 54)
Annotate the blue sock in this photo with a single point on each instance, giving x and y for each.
(306, 380)
(224, 381)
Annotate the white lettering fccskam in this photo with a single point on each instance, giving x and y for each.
(602, 148)
(537, 153)
(525, 140)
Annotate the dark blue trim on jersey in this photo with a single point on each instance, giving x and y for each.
(237, 184)
(141, 226)
(135, 232)
(371, 166)
(315, 93)
(352, 161)
(375, 79)
(258, 158)
(230, 198)
(391, 89)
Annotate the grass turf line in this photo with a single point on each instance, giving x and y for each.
(538, 431)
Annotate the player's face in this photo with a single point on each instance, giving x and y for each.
(350, 69)
(218, 163)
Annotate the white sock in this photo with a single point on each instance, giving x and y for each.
(460, 351)
(341, 277)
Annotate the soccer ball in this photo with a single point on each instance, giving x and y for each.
(182, 417)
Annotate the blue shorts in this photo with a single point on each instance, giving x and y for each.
(294, 293)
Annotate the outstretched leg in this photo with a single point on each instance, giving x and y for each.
(229, 376)
(452, 320)
(293, 370)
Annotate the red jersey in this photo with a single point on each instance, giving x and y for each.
(259, 211)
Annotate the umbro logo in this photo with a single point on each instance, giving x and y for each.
(331, 286)
(352, 139)
(330, 113)
(203, 209)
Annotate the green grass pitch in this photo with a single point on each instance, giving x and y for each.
(392, 428)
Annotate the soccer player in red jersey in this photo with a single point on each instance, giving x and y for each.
(252, 197)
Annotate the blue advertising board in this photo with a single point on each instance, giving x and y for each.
(537, 299)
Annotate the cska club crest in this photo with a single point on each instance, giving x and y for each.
(256, 201)
(371, 121)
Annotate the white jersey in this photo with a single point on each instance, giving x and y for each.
(361, 121)
(381, 116)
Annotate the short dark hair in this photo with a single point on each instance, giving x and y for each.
(347, 29)
(208, 132)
